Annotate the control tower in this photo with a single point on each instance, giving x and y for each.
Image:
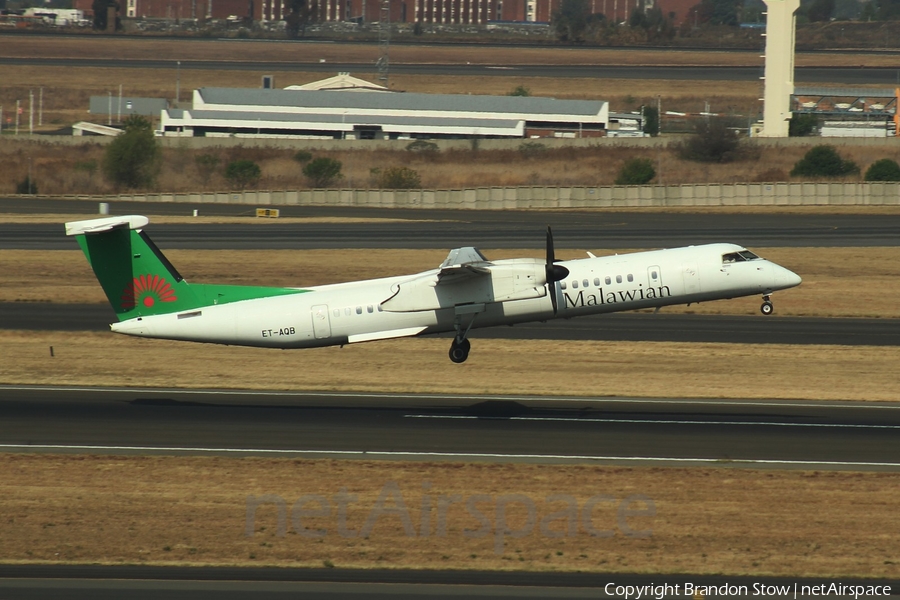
(781, 27)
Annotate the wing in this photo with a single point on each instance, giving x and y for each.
(461, 264)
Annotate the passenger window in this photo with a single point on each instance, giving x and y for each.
(370, 309)
(618, 279)
(653, 275)
(630, 277)
(347, 312)
(608, 280)
(337, 312)
(380, 309)
(596, 282)
(575, 285)
(562, 285)
(584, 283)
(359, 310)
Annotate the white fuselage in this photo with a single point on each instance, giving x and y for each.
(360, 311)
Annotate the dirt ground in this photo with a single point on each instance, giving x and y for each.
(193, 511)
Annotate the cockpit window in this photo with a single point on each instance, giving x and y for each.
(743, 255)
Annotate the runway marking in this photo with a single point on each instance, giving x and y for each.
(373, 395)
(657, 421)
(397, 454)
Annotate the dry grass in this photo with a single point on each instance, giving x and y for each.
(154, 510)
(495, 367)
(837, 282)
(55, 172)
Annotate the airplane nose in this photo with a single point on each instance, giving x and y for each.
(785, 278)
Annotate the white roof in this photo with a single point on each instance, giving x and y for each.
(343, 82)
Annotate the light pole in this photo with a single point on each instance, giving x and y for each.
(178, 85)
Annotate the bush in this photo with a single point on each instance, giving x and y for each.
(532, 149)
(651, 121)
(322, 171)
(883, 170)
(397, 178)
(242, 173)
(520, 90)
(636, 171)
(823, 161)
(132, 159)
(26, 186)
(713, 141)
(802, 124)
(422, 146)
(303, 156)
(206, 165)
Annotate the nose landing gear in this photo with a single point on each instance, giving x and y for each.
(767, 307)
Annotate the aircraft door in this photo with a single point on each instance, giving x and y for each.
(321, 322)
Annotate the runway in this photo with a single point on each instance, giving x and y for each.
(686, 432)
(446, 229)
(621, 327)
(813, 75)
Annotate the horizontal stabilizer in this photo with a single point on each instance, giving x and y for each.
(385, 335)
(105, 224)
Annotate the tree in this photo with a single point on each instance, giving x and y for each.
(883, 170)
(888, 10)
(651, 121)
(322, 172)
(571, 20)
(101, 10)
(242, 173)
(823, 161)
(719, 12)
(636, 171)
(301, 13)
(820, 10)
(713, 141)
(132, 159)
(397, 178)
(802, 124)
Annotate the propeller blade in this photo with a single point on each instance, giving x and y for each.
(553, 272)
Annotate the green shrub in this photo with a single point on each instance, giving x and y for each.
(636, 171)
(242, 173)
(883, 170)
(532, 149)
(26, 186)
(303, 156)
(322, 172)
(396, 178)
(823, 161)
(132, 159)
(520, 90)
(206, 165)
(802, 124)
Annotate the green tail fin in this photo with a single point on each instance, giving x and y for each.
(139, 280)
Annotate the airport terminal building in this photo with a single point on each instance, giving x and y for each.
(371, 114)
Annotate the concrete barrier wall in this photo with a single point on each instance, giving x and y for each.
(496, 198)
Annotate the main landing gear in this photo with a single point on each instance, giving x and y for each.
(460, 346)
(767, 307)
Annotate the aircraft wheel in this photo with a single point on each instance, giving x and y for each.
(767, 308)
(459, 352)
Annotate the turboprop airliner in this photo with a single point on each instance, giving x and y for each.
(467, 291)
